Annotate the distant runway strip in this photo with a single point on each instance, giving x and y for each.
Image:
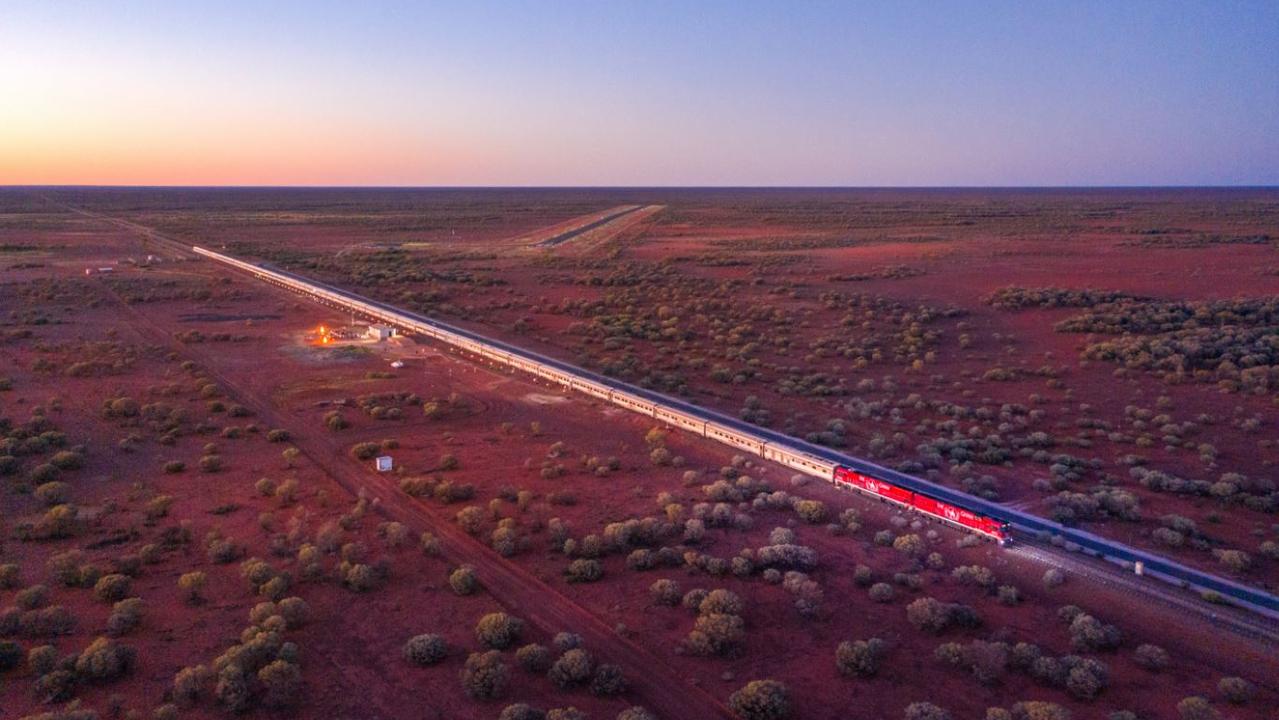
(771, 445)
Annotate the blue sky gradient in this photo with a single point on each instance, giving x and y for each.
(641, 93)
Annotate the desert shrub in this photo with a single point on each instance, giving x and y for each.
(1008, 595)
(125, 616)
(30, 598)
(425, 649)
(295, 611)
(1196, 707)
(978, 575)
(189, 683)
(56, 686)
(583, 570)
(498, 630)
(716, 634)
(567, 641)
(932, 615)
(761, 700)
(520, 711)
(665, 592)
(1089, 633)
(1053, 578)
(811, 511)
(568, 713)
(881, 592)
(781, 536)
(505, 541)
(1151, 657)
(572, 668)
(192, 586)
(534, 657)
(484, 676)
(365, 450)
(798, 557)
(910, 545)
(104, 660)
(925, 711)
(173, 467)
(1237, 560)
(608, 680)
(721, 601)
(1039, 710)
(633, 713)
(463, 580)
(861, 657)
(1236, 690)
(281, 684)
(470, 519)
(110, 588)
(210, 463)
(360, 577)
(53, 493)
(233, 690)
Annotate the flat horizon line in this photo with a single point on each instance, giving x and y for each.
(95, 186)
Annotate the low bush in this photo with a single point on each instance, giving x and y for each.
(608, 680)
(1151, 657)
(111, 588)
(104, 660)
(534, 658)
(498, 630)
(665, 592)
(761, 700)
(425, 650)
(125, 616)
(925, 711)
(485, 676)
(572, 668)
(1236, 690)
(860, 658)
(463, 580)
(584, 570)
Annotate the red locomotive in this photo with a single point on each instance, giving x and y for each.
(930, 506)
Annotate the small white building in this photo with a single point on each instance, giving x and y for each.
(380, 332)
(384, 463)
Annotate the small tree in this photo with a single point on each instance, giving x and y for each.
(463, 580)
(111, 588)
(425, 650)
(533, 657)
(1236, 690)
(761, 700)
(608, 680)
(861, 658)
(665, 592)
(925, 711)
(281, 684)
(192, 586)
(498, 630)
(572, 668)
(485, 676)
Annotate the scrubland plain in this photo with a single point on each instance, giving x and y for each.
(192, 525)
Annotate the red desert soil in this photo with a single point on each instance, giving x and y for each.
(193, 338)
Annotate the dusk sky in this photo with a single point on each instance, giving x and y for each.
(640, 93)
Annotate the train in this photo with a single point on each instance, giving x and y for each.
(766, 444)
